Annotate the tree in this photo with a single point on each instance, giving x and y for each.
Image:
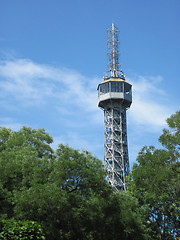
(154, 182)
(24, 157)
(170, 138)
(64, 190)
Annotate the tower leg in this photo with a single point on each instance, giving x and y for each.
(116, 159)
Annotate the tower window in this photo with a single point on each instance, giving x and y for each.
(116, 87)
(127, 88)
(104, 88)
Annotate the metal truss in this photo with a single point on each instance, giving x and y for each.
(113, 52)
(116, 159)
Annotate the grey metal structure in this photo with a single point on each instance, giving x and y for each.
(115, 97)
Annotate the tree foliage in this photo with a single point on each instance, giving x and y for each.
(154, 181)
(20, 230)
(64, 190)
(171, 137)
(24, 158)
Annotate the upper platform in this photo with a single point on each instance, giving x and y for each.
(114, 89)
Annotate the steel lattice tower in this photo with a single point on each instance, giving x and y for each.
(115, 97)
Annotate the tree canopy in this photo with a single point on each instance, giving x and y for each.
(63, 194)
(63, 190)
(155, 182)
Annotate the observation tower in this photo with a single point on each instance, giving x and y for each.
(114, 98)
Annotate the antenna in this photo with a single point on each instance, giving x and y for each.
(113, 52)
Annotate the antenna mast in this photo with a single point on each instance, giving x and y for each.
(113, 52)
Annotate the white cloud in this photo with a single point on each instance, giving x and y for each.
(72, 100)
(27, 82)
(20, 80)
(149, 100)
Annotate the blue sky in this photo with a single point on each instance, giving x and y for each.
(53, 54)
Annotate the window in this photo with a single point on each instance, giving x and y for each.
(116, 86)
(113, 86)
(127, 88)
(104, 88)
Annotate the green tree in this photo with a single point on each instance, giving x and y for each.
(76, 181)
(171, 137)
(63, 190)
(154, 182)
(24, 158)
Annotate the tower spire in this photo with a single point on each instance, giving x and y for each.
(113, 51)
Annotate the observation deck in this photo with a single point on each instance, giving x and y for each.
(114, 89)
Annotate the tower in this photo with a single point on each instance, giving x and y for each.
(114, 98)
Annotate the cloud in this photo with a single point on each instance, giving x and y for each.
(28, 83)
(64, 102)
(33, 83)
(150, 102)
(20, 80)
(148, 113)
(44, 90)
